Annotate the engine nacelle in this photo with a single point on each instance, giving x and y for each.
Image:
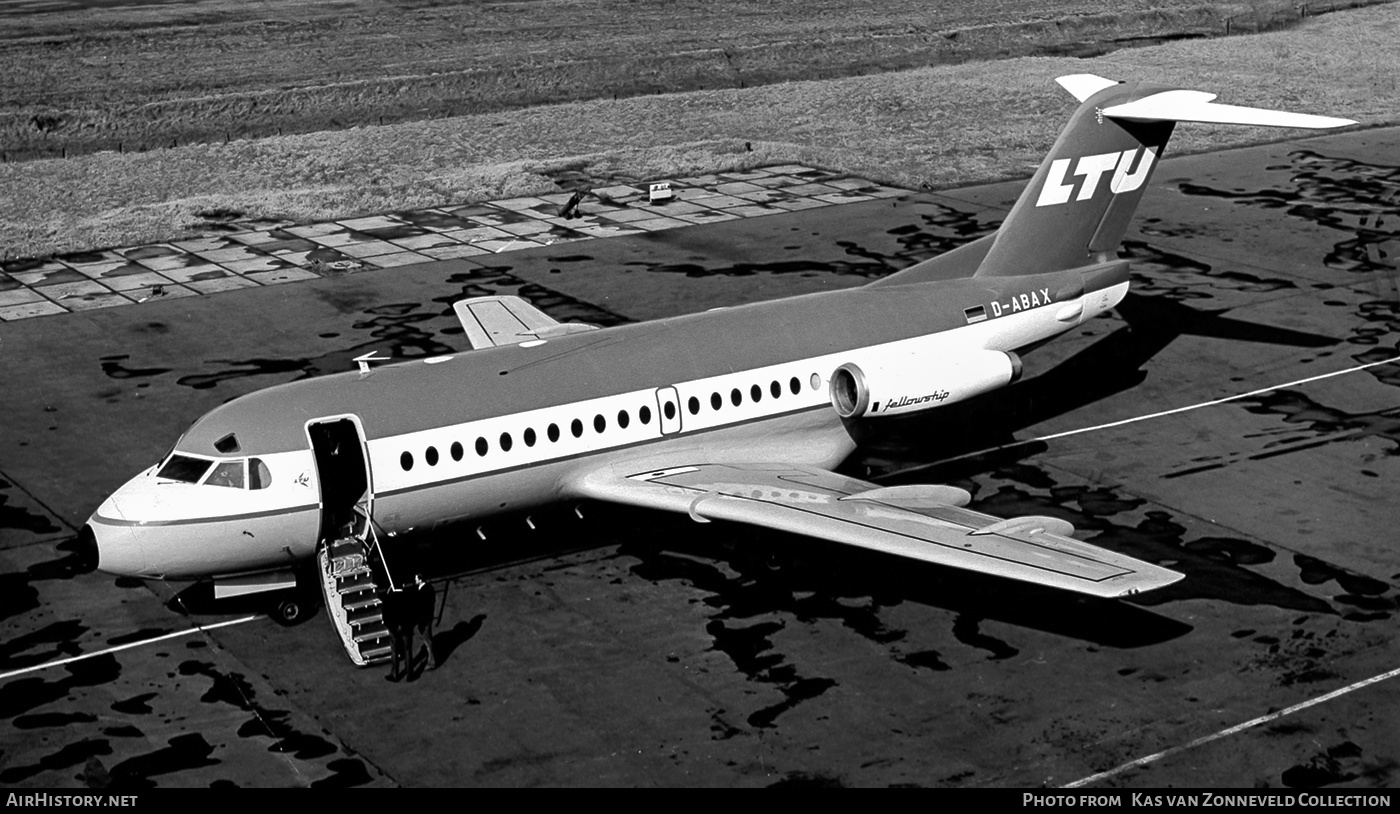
(913, 383)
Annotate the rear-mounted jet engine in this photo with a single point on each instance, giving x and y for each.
(912, 384)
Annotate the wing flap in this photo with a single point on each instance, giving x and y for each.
(832, 507)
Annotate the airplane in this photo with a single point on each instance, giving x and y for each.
(739, 414)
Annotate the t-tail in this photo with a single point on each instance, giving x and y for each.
(1077, 206)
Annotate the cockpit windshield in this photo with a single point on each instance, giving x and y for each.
(241, 473)
(228, 473)
(184, 469)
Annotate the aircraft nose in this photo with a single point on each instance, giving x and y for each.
(117, 548)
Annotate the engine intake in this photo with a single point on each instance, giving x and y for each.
(913, 384)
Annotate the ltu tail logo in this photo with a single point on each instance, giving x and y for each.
(1126, 177)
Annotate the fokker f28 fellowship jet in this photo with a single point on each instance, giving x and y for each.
(738, 414)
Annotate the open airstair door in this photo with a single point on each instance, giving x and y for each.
(342, 470)
(350, 579)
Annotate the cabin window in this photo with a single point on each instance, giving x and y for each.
(670, 409)
(482, 446)
(259, 476)
(184, 469)
(529, 436)
(431, 456)
(644, 414)
(228, 473)
(775, 388)
(599, 423)
(715, 401)
(576, 427)
(735, 397)
(456, 450)
(694, 405)
(505, 442)
(816, 381)
(795, 386)
(227, 444)
(622, 419)
(553, 433)
(756, 393)
(406, 461)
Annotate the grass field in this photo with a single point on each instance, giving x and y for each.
(932, 127)
(136, 78)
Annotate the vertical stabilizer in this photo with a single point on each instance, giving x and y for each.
(1077, 206)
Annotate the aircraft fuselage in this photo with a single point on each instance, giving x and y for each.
(469, 435)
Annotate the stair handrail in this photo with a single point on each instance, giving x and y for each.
(372, 529)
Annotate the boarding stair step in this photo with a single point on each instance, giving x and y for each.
(371, 633)
(365, 614)
(361, 600)
(377, 653)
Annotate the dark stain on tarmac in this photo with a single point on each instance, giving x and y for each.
(18, 517)
(18, 595)
(138, 635)
(748, 646)
(498, 280)
(1158, 271)
(1343, 194)
(71, 754)
(1336, 764)
(345, 773)
(24, 694)
(43, 720)
(1309, 425)
(395, 327)
(233, 689)
(115, 369)
(939, 231)
(61, 639)
(1215, 567)
(136, 705)
(404, 330)
(181, 753)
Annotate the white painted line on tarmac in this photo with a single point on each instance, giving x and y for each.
(128, 646)
(1174, 410)
(1263, 719)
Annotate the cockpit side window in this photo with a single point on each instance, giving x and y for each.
(259, 477)
(184, 469)
(228, 473)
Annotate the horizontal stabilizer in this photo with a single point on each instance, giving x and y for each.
(1084, 85)
(1196, 106)
(505, 319)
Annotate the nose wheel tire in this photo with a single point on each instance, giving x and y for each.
(289, 611)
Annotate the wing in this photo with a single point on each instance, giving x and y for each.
(509, 320)
(925, 523)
